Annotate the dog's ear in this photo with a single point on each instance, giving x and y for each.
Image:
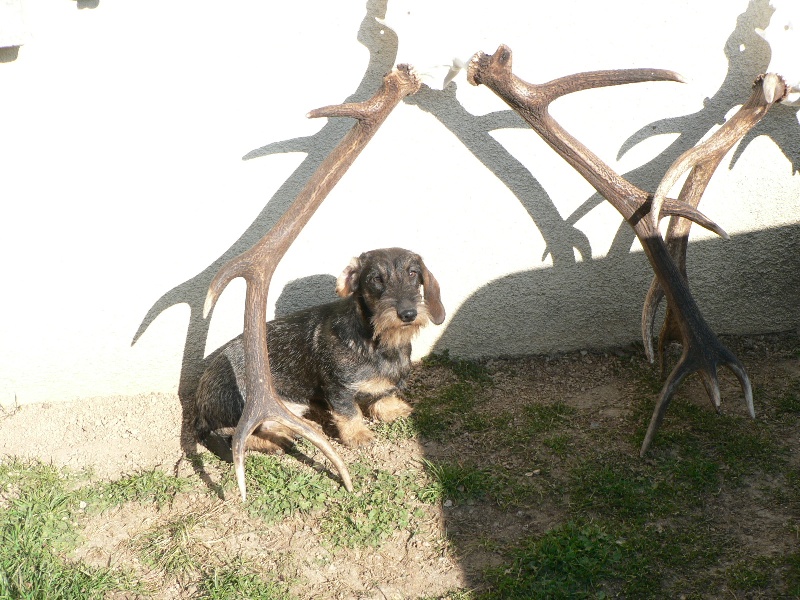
(347, 282)
(432, 297)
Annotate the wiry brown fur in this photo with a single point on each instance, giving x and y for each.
(355, 351)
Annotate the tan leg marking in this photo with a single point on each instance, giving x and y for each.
(271, 438)
(388, 409)
(352, 432)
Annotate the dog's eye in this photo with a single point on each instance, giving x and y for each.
(413, 274)
(377, 279)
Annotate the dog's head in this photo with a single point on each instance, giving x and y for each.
(387, 283)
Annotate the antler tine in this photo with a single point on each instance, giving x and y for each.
(258, 264)
(703, 160)
(702, 350)
(767, 90)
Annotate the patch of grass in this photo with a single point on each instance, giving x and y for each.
(540, 418)
(450, 409)
(466, 370)
(148, 486)
(569, 561)
(443, 413)
(559, 444)
(792, 578)
(233, 582)
(788, 403)
(453, 595)
(733, 445)
(659, 507)
(168, 546)
(453, 482)
(750, 575)
(465, 483)
(617, 488)
(36, 530)
(399, 429)
(381, 505)
(277, 487)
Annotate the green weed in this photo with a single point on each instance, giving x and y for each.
(399, 429)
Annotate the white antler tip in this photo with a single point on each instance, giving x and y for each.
(770, 87)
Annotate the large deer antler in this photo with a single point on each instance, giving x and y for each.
(257, 265)
(702, 350)
(703, 160)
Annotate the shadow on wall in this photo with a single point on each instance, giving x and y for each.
(748, 56)
(586, 307)
(305, 293)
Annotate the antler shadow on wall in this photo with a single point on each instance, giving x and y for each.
(382, 45)
(748, 55)
(568, 292)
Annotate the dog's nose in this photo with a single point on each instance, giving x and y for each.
(407, 315)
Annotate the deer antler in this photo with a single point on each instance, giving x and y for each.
(703, 161)
(702, 350)
(258, 264)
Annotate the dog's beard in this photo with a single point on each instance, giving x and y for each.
(391, 332)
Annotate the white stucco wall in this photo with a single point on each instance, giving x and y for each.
(142, 143)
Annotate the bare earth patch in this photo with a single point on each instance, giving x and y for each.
(599, 400)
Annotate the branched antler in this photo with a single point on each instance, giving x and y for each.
(702, 350)
(703, 160)
(258, 264)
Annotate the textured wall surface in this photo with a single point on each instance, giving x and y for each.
(143, 143)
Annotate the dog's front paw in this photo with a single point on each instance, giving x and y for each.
(358, 438)
(388, 409)
(353, 432)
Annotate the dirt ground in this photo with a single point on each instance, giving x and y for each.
(115, 436)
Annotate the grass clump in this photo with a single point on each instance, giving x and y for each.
(278, 488)
(569, 561)
(36, 529)
(147, 486)
(169, 547)
(467, 483)
(466, 370)
(454, 482)
(381, 505)
(617, 488)
(233, 582)
(450, 409)
(541, 418)
(397, 430)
